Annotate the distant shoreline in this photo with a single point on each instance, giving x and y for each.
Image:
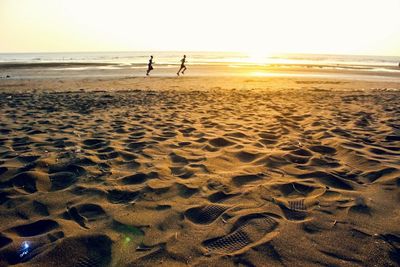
(12, 65)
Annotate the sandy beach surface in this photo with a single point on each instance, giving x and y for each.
(199, 171)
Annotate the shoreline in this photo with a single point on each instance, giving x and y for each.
(80, 71)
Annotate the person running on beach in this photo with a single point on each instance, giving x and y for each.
(183, 67)
(150, 66)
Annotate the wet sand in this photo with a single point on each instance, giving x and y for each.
(199, 172)
(100, 70)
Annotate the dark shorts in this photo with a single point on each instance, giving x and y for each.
(150, 67)
(183, 66)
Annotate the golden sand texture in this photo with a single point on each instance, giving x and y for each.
(212, 177)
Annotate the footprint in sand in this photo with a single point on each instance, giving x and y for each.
(181, 166)
(221, 196)
(299, 156)
(268, 138)
(296, 209)
(247, 157)
(3, 170)
(61, 180)
(85, 214)
(4, 241)
(137, 178)
(35, 228)
(95, 144)
(205, 214)
(29, 181)
(329, 179)
(220, 142)
(87, 251)
(295, 189)
(323, 149)
(64, 175)
(241, 180)
(116, 196)
(245, 233)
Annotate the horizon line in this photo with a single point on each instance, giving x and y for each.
(199, 51)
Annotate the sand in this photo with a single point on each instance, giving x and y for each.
(199, 172)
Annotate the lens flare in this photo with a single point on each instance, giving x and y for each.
(24, 250)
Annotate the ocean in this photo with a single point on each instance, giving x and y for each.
(203, 63)
(164, 57)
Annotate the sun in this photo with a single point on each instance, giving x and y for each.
(258, 56)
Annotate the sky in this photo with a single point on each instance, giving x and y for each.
(366, 27)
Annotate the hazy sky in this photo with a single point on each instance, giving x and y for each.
(256, 26)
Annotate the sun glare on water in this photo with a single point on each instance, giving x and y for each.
(259, 57)
(258, 61)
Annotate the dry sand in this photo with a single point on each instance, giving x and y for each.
(199, 172)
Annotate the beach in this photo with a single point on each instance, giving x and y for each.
(124, 170)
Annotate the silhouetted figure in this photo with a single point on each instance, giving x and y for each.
(150, 66)
(183, 67)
